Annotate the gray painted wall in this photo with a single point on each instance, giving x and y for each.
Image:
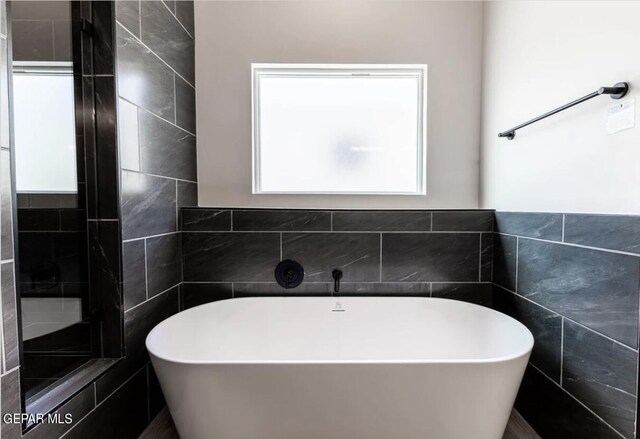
(445, 35)
(540, 55)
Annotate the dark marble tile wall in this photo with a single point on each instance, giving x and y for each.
(155, 106)
(156, 138)
(574, 281)
(41, 31)
(84, 227)
(68, 235)
(233, 253)
(155, 116)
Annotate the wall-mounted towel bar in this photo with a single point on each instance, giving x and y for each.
(617, 91)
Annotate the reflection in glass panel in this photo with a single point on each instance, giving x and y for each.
(43, 97)
(50, 179)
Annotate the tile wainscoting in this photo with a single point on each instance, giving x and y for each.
(233, 253)
(574, 280)
(156, 146)
(575, 290)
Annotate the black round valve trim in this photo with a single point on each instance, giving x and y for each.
(289, 274)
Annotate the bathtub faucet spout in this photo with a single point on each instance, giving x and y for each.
(337, 275)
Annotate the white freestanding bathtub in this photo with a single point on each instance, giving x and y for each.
(338, 368)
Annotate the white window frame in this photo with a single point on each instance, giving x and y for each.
(418, 71)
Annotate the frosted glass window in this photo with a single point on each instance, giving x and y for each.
(345, 129)
(44, 121)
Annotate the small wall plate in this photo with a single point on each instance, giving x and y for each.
(625, 90)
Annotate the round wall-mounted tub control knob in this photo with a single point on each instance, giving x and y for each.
(289, 273)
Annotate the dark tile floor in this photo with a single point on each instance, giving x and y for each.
(162, 428)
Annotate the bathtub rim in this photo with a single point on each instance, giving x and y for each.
(505, 358)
